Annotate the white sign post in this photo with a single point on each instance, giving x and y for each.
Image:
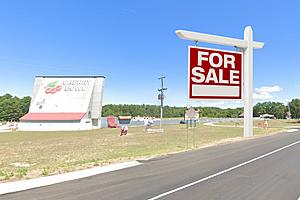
(246, 45)
(248, 83)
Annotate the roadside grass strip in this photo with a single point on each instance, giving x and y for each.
(27, 155)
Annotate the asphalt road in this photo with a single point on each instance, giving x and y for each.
(272, 176)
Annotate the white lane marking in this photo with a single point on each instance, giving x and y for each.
(222, 172)
(290, 131)
(49, 180)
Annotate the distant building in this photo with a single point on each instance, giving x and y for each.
(267, 116)
(241, 115)
(64, 103)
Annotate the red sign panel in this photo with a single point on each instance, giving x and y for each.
(214, 74)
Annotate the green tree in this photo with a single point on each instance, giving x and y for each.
(13, 108)
(295, 108)
(274, 108)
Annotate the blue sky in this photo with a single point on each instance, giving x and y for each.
(133, 42)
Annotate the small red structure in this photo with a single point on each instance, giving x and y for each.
(111, 121)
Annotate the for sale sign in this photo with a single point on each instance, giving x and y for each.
(214, 74)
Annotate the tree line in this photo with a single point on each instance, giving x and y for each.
(279, 110)
(13, 108)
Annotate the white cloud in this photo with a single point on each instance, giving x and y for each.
(287, 100)
(214, 104)
(238, 102)
(268, 89)
(128, 10)
(262, 96)
(264, 93)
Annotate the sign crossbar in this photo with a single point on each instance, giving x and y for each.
(215, 39)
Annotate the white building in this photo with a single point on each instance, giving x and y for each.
(64, 103)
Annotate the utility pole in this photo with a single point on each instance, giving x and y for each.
(161, 98)
(290, 114)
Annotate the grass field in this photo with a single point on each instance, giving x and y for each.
(271, 123)
(33, 154)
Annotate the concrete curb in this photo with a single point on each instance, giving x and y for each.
(291, 130)
(50, 180)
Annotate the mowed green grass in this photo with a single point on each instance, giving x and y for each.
(46, 153)
(273, 123)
